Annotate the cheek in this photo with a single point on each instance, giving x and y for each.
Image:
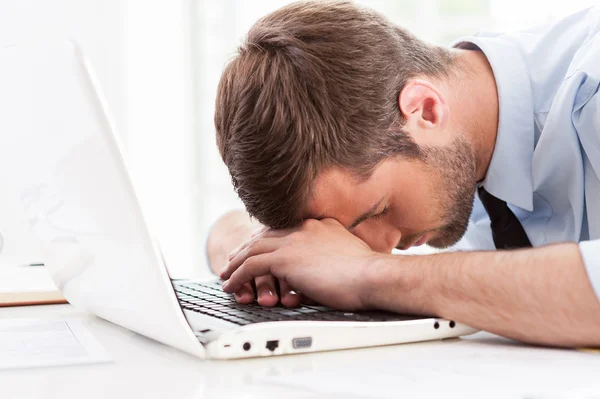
(414, 210)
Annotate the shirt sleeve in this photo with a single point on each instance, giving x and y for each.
(586, 120)
(590, 252)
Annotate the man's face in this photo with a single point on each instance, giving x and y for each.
(405, 202)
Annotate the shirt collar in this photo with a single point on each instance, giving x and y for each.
(509, 175)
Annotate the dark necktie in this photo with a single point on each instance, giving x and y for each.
(507, 231)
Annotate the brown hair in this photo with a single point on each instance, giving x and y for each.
(315, 85)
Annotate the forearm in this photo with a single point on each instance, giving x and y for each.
(540, 295)
(229, 232)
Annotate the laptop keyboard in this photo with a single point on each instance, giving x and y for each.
(209, 299)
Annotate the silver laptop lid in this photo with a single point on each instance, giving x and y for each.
(60, 157)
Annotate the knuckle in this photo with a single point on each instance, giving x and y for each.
(249, 263)
(310, 223)
(253, 248)
(250, 247)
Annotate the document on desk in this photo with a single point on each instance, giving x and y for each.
(26, 343)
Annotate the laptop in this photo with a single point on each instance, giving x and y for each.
(64, 164)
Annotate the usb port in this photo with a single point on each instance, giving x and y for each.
(302, 343)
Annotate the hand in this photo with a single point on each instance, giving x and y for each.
(269, 291)
(233, 229)
(320, 258)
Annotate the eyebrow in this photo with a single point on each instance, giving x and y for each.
(370, 212)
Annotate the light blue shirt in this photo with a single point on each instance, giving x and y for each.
(546, 162)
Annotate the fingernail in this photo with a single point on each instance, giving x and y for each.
(292, 293)
(224, 286)
(267, 292)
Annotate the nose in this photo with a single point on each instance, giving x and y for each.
(385, 240)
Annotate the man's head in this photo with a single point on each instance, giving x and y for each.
(330, 110)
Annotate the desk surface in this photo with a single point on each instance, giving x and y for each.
(143, 368)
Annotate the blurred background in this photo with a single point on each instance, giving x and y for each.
(159, 64)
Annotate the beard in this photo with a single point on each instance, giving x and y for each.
(454, 168)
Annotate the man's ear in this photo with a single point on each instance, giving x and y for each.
(424, 109)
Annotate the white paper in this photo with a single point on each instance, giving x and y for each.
(43, 343)
(459, 369)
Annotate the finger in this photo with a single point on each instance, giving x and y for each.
(253, 267)
(266, 293)
(289, 297)
(258, 231)
(265, 233)
(270, 233)
(265, 245)
(245, 294)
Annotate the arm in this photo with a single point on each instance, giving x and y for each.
(229, 232)
(540, 295)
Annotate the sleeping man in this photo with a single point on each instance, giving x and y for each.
(346, 137)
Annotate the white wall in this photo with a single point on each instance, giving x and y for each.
(161, 134)
(98, 25)
(140, 53)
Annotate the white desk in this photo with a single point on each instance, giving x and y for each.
(143, 368)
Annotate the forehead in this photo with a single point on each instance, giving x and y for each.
(339, 194)
(332, 188)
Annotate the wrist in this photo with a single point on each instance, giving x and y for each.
(387, 278)
(374, 280)
(400, 283)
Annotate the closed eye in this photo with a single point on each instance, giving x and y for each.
(381, 214)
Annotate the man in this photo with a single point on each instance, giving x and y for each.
(347, 137)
